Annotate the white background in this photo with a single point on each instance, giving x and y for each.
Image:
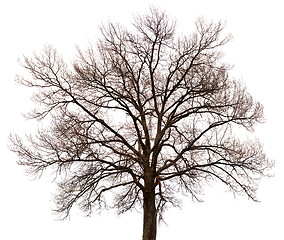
(257, 52)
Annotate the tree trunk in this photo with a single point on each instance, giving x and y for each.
(150, 216)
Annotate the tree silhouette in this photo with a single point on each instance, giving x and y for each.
(142, 116)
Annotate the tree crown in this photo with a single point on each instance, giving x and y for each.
(142, 111)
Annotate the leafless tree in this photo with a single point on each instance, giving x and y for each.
(143, 115)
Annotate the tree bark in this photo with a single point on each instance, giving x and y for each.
(150, 216)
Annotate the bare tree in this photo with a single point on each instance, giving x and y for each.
(144, 115)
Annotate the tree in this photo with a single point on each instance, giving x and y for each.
(143, 115)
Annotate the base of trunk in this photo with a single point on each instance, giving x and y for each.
(150, 217)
